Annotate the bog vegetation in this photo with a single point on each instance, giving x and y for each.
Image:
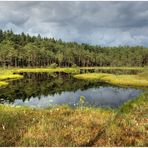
(64, 126)
(140, 80)
(25, 50)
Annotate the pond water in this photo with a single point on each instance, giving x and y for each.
(49, 89)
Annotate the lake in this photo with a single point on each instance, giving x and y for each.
(43, 90)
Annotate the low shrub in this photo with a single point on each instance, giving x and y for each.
(54, 65)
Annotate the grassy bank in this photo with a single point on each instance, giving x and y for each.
(49, 70)
(140, 80)
(8, 74)
(64, 126)
(116, 68)
(3, 83)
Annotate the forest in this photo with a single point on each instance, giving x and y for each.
(24, 50)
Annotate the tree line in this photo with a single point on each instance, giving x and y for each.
(22, 50)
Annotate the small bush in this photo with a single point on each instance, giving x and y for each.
(74, 66)
(54, 65)
(82, 101)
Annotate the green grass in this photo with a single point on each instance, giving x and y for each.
(139, 80)
(3, 83)
(7, 75)
(10, 76)
(66, 70)
(65, 126)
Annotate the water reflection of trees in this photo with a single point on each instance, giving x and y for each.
(38, 84)
(111, 71)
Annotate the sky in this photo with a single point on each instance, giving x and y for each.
(98, 23)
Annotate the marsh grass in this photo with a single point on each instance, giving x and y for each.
(59, 126)
(130, 126)
(6, 75)
(65, 126)
(127, 80)
(49, 70)
(3, 83)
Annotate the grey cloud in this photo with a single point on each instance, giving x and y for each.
(105, 23)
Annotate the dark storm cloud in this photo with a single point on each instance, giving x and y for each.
(104, 23)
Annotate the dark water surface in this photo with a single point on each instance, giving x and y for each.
(49, 89)
(111, 71)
